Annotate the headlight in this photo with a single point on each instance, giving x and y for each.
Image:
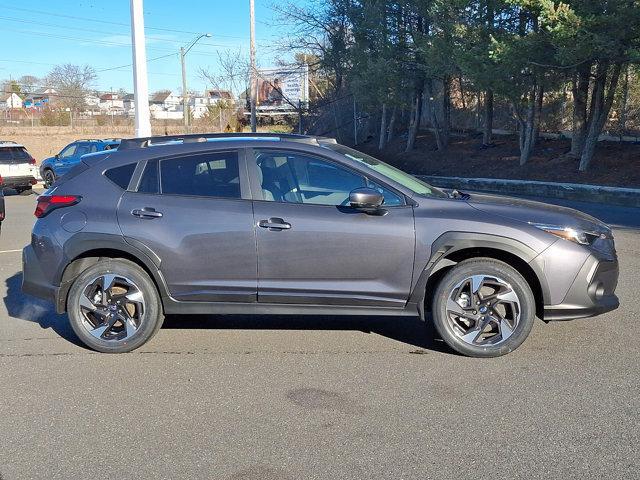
(582, 237)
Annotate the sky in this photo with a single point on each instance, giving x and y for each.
(41, 34)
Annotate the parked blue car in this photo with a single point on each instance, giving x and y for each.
(54, 167)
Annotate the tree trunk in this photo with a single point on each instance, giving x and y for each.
(487, 130)
(383, 128)
(601, 106)
(622, 124)
(528, 125)
(580, 91)
(392, 124)
(415, 121)
(435, 123)
(446, 111)
(538, 116)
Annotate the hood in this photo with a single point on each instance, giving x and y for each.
(536, 212)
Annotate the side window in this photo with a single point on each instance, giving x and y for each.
(69, 151)
(93, 148)
(391, 199)
(295, 178)
(82, 149)
(121, 176)
(204, 175)
(149, 182)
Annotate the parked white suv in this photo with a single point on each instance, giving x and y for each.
(17, 168)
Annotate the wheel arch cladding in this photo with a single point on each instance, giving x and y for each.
(454, 247)
(90, 257)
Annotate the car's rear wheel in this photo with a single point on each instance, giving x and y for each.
(48, 177)
(483, 308)
(114, 306)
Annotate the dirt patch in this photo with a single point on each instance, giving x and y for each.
(614, 164)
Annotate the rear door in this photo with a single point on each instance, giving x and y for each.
(194, 213)
(314, 248)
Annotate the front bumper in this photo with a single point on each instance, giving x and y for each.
(592, 292)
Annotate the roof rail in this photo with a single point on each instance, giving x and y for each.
(132, 143)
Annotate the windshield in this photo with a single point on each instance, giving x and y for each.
(409, 181)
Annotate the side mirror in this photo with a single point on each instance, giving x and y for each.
(57, 155)
(366, 199)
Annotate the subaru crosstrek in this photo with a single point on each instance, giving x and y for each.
(54, 167)
(286, 224)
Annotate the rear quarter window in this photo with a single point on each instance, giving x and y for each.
(14, 155)
(121, 176)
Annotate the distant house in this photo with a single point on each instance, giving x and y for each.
(217, 95)
(199, 104)
(165, 105)
(41, 98)
(128, 102)
(111, 103)
(92, 99)
(9, 101)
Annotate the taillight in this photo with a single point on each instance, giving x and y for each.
(32, 161)
(48, 203)
(1, 180)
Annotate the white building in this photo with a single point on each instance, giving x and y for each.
(165, 105)
(10, 101)
(111, 104)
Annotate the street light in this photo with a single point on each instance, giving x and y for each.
(185, 101)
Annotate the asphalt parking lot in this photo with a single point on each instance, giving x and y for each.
(236, 397)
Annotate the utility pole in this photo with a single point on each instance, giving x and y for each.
(185, 99)
(185, 95)
(140, 83)
(254, 76)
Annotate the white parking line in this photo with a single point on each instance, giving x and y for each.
(10, 251)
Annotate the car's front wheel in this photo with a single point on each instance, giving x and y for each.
(114, 306)
(48, 177)
(483, 308)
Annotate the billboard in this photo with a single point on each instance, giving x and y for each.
(283, 89)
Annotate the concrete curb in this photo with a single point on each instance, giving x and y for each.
(628, 197)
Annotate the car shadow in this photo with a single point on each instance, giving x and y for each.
(32, 309)
(409, 330)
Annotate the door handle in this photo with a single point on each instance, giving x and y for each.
(146, 212)
(274, 224)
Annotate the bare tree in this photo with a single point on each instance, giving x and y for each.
(28, 83)
(72, 83)
(233, 74)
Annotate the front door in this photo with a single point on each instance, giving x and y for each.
(313, 248)
(190, 212)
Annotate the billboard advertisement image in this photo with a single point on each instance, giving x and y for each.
(283, 88)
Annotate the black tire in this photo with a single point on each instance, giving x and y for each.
(48, 177)
(451, 332)
(150, 322)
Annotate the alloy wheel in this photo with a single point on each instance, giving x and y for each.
(49, 178)
(483, 310)
(112, 307)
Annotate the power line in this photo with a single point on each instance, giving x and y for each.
(87, 19)
(99, 42)
(131, 64)
(157, 39)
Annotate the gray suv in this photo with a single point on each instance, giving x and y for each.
(287, 224)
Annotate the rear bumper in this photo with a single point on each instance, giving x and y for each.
(13, 182)
(34, 281)
(591, 294)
